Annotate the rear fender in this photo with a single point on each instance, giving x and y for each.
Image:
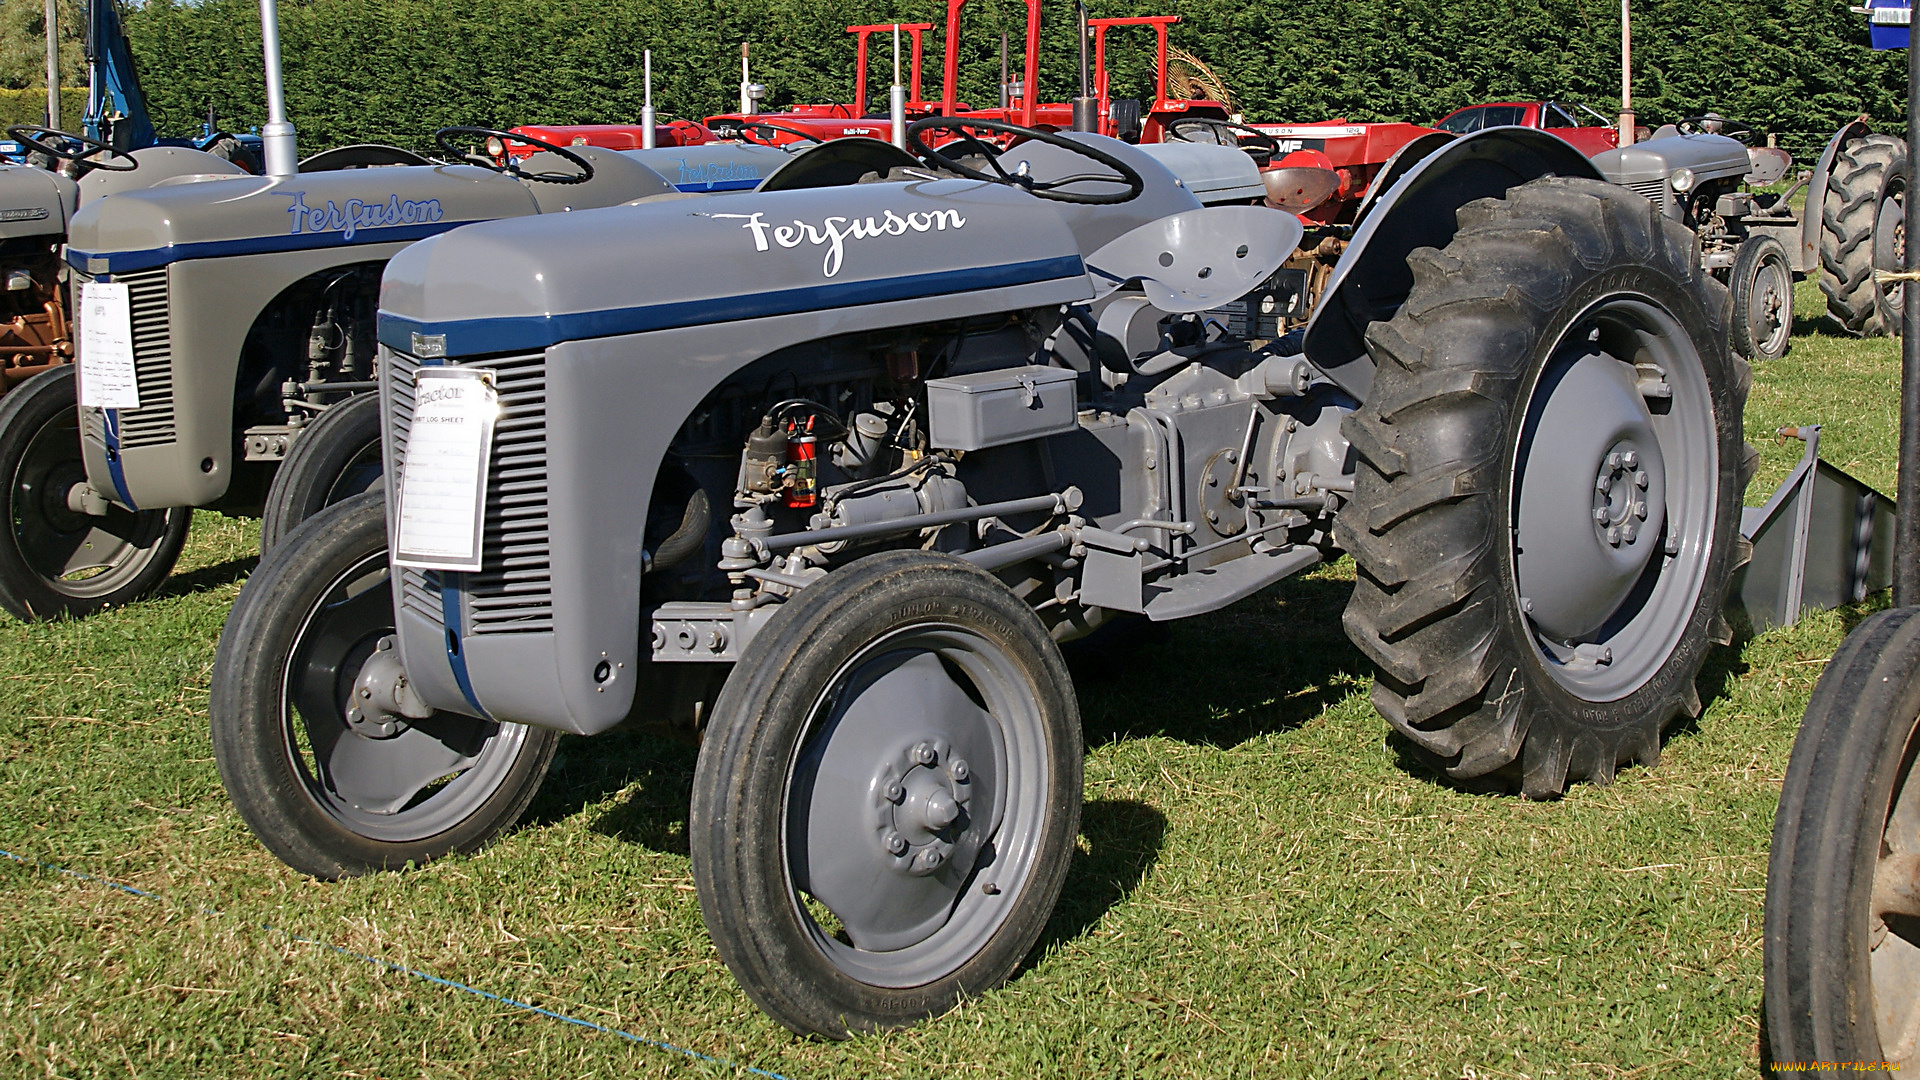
(1809, 254)
(1372, 279)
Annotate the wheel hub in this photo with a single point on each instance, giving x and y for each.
(1592, 497)
(919, 797)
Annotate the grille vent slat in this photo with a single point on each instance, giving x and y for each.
(513, 592)
(152, 424)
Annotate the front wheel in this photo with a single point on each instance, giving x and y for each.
(331, 787)
(1545, 513)
(55, 559)
(1842, 942)
(887, 797)
(1762, 285)
(334, 459)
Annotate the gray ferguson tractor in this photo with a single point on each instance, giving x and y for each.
(824, 477)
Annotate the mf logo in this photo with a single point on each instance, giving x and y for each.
(1283, 147)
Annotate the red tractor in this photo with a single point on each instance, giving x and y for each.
(1556, 117)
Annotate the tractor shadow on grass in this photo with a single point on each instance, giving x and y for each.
(208, 578)
(587, 771)
(1122, 840)
(1270, 663)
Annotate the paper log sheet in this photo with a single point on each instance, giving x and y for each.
(443, 481)
(107, 379)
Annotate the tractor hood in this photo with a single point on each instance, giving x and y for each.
(34, 202)
(1711, 157)
(713, 167)
(189, 218)
(524, 285)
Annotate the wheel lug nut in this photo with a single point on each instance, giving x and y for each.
(1629, 531)
(924, 754)
(1630, 459)
(895, 792)
(1602, 482)
(958, 769)
(896, 844)
(1613, 535)
(1640, 479)
(1600, 514)
(930, 859)
(1640, 510)
(1613, 460)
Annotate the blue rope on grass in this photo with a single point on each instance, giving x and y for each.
(415, 972)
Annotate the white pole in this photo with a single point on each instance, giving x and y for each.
(646, 111)
(1626, 73)
(53, 69)
(746, 83)
(282, 157)
(897, 96)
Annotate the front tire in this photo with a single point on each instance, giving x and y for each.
(334, 459)
(1762, 286)
(1545, 513)
(1842, 943)
(329, 793)
(56, 561)
(887, 798)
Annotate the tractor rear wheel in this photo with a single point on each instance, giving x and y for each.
(335, 458)
(1842, 955)
(1545, 512)
(1849, 208)
(887, 796)
(56, 560)
(1890, 247)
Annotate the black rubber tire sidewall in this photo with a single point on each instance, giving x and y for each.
(24, 411)
(739, 788)
(1892, 316)
(248, 741)
(320, 455)
(1826, 843)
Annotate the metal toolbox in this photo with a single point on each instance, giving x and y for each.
(994, 408)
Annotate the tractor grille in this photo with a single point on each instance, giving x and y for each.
(152, 423)
(1655, 192)
(513, 592)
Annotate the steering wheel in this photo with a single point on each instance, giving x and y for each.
(36, 137)
(738, 129)
(1263, 149)
(965, 126)
(1697, 125)
(444, 137)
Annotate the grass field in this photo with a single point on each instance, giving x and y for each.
(1263, 888)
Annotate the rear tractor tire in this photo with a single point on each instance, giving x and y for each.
(1850, 207)
(56, 561)
(335, 458)
(1545, 512)
(1890, 247)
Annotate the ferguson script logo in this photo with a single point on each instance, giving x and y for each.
(834, 232)
(357, 215)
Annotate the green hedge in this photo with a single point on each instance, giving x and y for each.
(30, 107)
(393, 70)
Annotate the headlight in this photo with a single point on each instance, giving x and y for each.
(496, 148)
(1682, 180)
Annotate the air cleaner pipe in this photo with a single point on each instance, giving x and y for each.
(897, 96)
(646, 109)
(1086, 108)
(276, 135)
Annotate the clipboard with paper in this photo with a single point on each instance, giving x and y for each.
(443, 479)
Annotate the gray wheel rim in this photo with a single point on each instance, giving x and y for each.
(430, 776)
(1890, 246)
(75, 554)
(1893, 921)
(1616, 488)
(1770, 306)
(928, 723)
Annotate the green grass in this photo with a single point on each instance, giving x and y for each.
(1263, 888)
